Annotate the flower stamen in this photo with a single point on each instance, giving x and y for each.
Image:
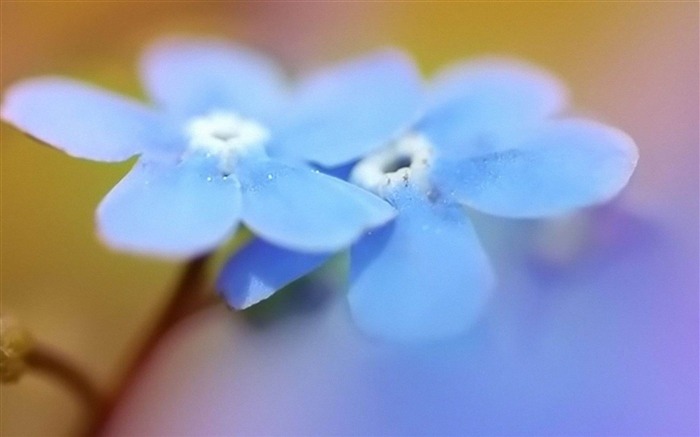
(225, 135)
(404, 162)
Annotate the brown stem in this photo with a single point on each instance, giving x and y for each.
(205, 300)
(44, 359)
(186, 291)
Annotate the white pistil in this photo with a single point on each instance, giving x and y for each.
(405, 162)
(225, 135)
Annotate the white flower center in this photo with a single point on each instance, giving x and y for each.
(225, 135)
(405, 162)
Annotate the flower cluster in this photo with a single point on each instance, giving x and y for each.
(228, 140)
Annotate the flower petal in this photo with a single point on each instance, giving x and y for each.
(422, 277)
(500, 84)
(302, 209)
(81, 120)
(477, 102)
(556, 167)
(260, 269)
(344, 112)
(194, 76)
(172, 211)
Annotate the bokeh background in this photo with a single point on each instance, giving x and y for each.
(593, 330)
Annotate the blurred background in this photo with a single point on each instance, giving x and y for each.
(594, 328)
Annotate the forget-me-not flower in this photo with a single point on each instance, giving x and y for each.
(492, 138)
(209, 147)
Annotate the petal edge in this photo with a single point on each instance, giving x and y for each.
(169, 211)
(79, 119)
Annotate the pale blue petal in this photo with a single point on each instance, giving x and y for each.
(422, 277)
(260, 269)
(81, 120)
(344, 112)
(500, 85)
(195, 76)
(475, 104)
(303, 209)
(554, 168)
(169, 210)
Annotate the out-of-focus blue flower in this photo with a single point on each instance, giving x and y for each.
(209, 151)
(491, 138)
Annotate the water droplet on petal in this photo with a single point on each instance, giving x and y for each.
(269, 176)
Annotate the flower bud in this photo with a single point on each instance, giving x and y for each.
(15, 343)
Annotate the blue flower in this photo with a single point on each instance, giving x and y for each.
(210, 149)
(491, 138)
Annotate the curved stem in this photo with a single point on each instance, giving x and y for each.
(186, 291)
(44, 359)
